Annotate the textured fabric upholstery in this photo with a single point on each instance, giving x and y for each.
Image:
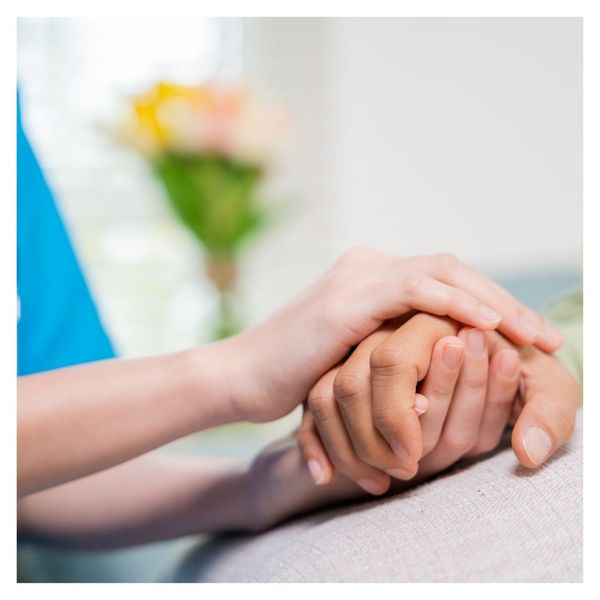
(490, 521)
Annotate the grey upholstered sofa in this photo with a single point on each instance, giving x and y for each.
(487, 521)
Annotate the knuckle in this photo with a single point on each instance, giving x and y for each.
(441, 388)
(503, 399)
(365, 454)
(348, 386)
(385, 359)
(485, 446)
(452, 299)
(371, 455)
(411, 284)
(476, 380)
(447, 262)
(530, 315)
(346, 465)
(356, 255)
(321, 404)
(459, 442)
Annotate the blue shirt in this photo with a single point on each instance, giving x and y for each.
(59, 323)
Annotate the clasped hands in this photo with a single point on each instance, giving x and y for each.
(415, 397)
(405, 366)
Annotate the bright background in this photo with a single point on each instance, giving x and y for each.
(409, 135)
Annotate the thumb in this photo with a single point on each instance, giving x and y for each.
(551, 397)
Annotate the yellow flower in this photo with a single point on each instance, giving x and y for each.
(202, 119)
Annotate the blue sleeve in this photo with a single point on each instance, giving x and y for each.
(59, 323)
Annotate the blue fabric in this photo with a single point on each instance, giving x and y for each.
(59, 323)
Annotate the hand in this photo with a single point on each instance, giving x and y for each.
(358, 414)
(343, 428)
(274, 365)
(279, 484)
(546, 406)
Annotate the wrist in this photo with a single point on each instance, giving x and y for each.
(279, 486)
(211, 375)
(238, 360)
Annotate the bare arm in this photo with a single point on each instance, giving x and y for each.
(149, 498)
(157, 497)
(80, 420)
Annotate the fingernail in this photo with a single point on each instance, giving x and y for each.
(400, 474)
(552, 336)
(421, 404)
(508, 365)
(401, 452)
(451, 356)
(372, 486)
(316, 472)
(531, 330)
(475, 342)
(488, 314)
(537, 444)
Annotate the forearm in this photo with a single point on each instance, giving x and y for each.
(80, 420)
(146, 499)
(280, 486)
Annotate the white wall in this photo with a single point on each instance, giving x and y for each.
(409, 135)
(422, 135)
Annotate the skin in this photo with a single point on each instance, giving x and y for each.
(359, 413)
(157, 497)
(80, 420)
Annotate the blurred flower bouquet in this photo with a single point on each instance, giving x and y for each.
(210, 147)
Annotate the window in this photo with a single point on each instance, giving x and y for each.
(73, 76)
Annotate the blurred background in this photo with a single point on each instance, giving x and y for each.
(410, 135)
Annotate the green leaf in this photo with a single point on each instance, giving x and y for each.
(214, 197)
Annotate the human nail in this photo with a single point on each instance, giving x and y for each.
(451, 356)
(400, 474)
(537, 444)
(372, 486)
(508, 364)
(530, 329)
(421, 404)
(316, 472)
(488, 314)
(401, 452)
(475, 342)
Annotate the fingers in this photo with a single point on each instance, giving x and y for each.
(515, 411)
(336, 442)
(396, 366)
(352, 390)
(519, 323)
(315, 455)
(503, 384)
(461, 428)
(432, 296)
(551, 397)
(438, 387)
(343, 423)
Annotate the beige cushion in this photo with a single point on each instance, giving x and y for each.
(489, 521)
